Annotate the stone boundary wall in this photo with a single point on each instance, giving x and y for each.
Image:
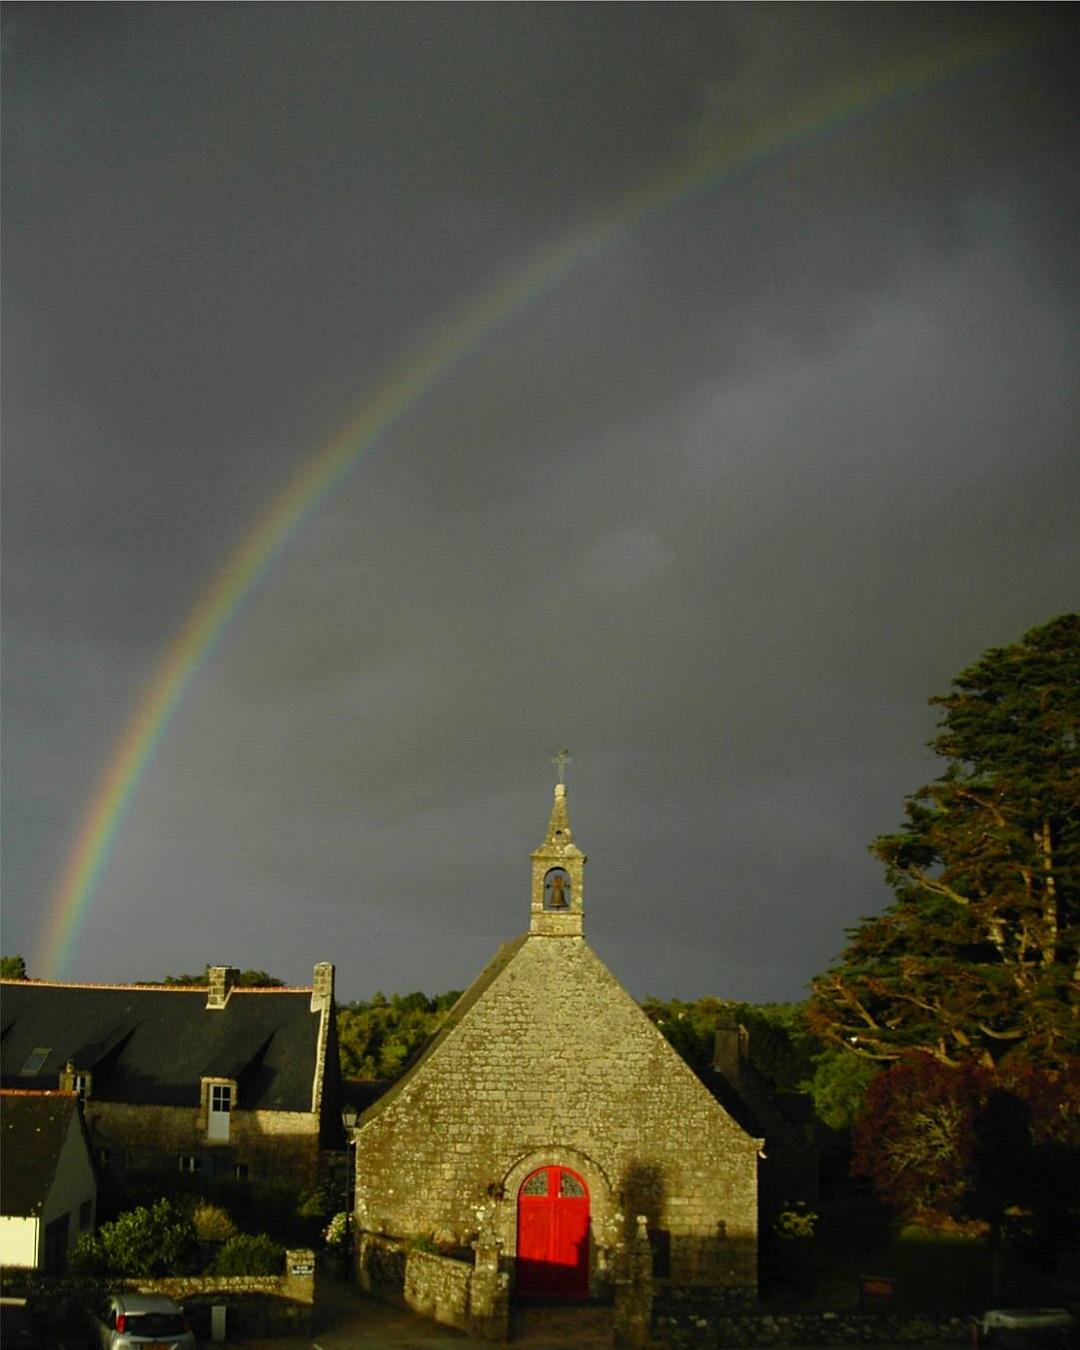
(438, 1287)
(257, 1305)
(469, 1296)
(683, 1328)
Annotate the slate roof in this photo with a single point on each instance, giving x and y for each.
(151, 1044)
(33, 1127)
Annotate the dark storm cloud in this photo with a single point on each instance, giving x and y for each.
(720, 509)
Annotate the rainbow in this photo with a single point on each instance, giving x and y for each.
(321, 472)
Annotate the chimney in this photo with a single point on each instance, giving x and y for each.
(222, 979)
(731, 1048)
(322, 986)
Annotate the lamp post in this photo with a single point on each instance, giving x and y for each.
(349, 1117)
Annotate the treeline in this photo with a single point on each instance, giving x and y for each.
(377, 1039)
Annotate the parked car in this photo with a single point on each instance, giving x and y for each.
(131, 1321)
(1026, 1329)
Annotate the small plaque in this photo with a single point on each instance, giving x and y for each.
(876, 1289)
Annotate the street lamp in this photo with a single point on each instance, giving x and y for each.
(349, 1117)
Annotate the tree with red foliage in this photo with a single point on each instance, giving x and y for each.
(916, 1141)
(998, 1144)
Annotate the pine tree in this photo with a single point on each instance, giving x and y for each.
(976, 959)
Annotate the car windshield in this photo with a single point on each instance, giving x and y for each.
(154, 1324)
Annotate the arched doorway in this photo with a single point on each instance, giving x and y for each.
(553, 1235)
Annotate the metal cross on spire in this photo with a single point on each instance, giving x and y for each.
(562, 759)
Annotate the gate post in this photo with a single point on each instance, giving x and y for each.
(634, 1293)
(489, 1289)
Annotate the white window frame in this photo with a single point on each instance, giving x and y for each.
(220, 1100)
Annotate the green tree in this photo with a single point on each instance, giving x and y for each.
(249, 979)
(976, 958)
(839, 1085)
(12, 968)
(379, 1038)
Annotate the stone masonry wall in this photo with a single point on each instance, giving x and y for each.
(555, 1063)
(467, 1295)
(278, 1146)
(438, 1287)
(256, 1305)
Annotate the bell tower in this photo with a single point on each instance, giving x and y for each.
(558, 868)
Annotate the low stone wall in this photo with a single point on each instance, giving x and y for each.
(470, 1296)
(257, 1305)
(438, 1287)
(686, 1322)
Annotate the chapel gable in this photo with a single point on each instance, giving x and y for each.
(549, 1114)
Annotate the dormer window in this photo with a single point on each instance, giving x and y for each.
(35, 1061)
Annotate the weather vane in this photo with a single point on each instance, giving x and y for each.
(562, 759)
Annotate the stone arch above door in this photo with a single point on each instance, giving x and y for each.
(606, 1223)
(553, 1235)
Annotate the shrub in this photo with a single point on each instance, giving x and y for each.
(335, 1230)
(159, 1240)
(212, 1222)
(249, 1254)
(796, 1223)
(88, 1258)
(314, 1204)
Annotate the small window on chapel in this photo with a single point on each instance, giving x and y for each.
(557, 889)
(537, 1184)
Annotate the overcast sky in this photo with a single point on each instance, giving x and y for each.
(719, 508)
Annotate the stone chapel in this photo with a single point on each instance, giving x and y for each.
(548, 1114)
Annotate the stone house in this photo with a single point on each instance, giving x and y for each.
(214, 1081)
(548, 1113)
(788, 1173)
(47, 1182)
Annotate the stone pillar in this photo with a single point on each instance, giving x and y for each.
(634, 1293)
(299, 1286)
(489, 1291)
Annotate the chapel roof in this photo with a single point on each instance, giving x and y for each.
(33, 1127)
(151, 1044)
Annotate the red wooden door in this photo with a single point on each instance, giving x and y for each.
(553, 1235)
